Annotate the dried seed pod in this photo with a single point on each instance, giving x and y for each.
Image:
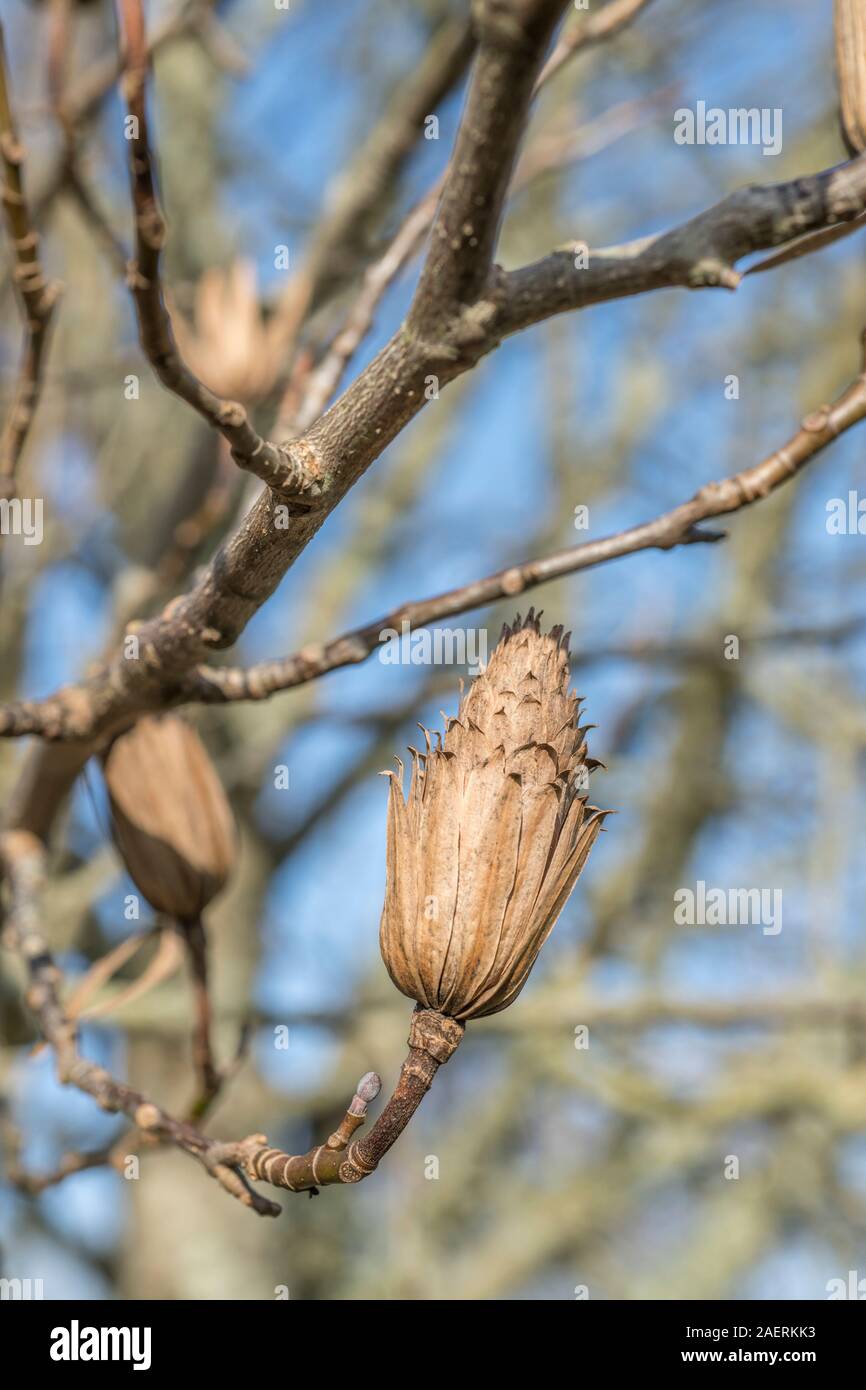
(229, 344)
(495, 832)
(850, 26)
(171, 821)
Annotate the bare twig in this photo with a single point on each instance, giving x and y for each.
(701, 253)
(22, 858)
(410, 236)
(324, 380)
(362, 189)
(392, 388)
(70, 714)
(283, 467)
(82, 100)
(207, 1072)
(680, 526)
(591, 29)
(806, 245)
(433, 1038)
(543, 155)
(466, 226)
(69, 1164)
(559, 148)
(552, 1008)
(37, 297)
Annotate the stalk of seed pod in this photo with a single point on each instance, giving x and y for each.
(176, 835)
(850, 29)
(480, 862)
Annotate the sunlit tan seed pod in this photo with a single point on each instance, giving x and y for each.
(170, 818)
(229, 344)
(495, 832)
(850, 25)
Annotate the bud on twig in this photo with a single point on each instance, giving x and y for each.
(496, 830)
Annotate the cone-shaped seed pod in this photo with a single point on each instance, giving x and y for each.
(171, 821)
(850, 24)
(496, 830)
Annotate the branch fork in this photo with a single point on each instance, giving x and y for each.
(433, 1038)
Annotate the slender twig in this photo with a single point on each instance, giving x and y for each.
(699, 254)
(807, 245)
(83, 99)
(432, 1040)
(544, 154)
(552, 1008)
(378, 278)
(679, 526)
(62, 13)
(59, 44)
(68, 1164)
(23, 862)
(207, 1072)
(392, 389)
(207, 1097)
(361, 192)
(94, 86)
(558, 148)
(590, 29)
(850, 31)
(286, 468)
(36, 296)
(466, 226)
(67, 715)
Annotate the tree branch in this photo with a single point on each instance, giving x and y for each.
(23, 861)
(702, 252)
(360, 191)
(284, 467)
(433, 1038)
(591, 29)
(544, 154)
(680, 526)
(466, 226)
(392, 389)
(36, 296)
(81, 712)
